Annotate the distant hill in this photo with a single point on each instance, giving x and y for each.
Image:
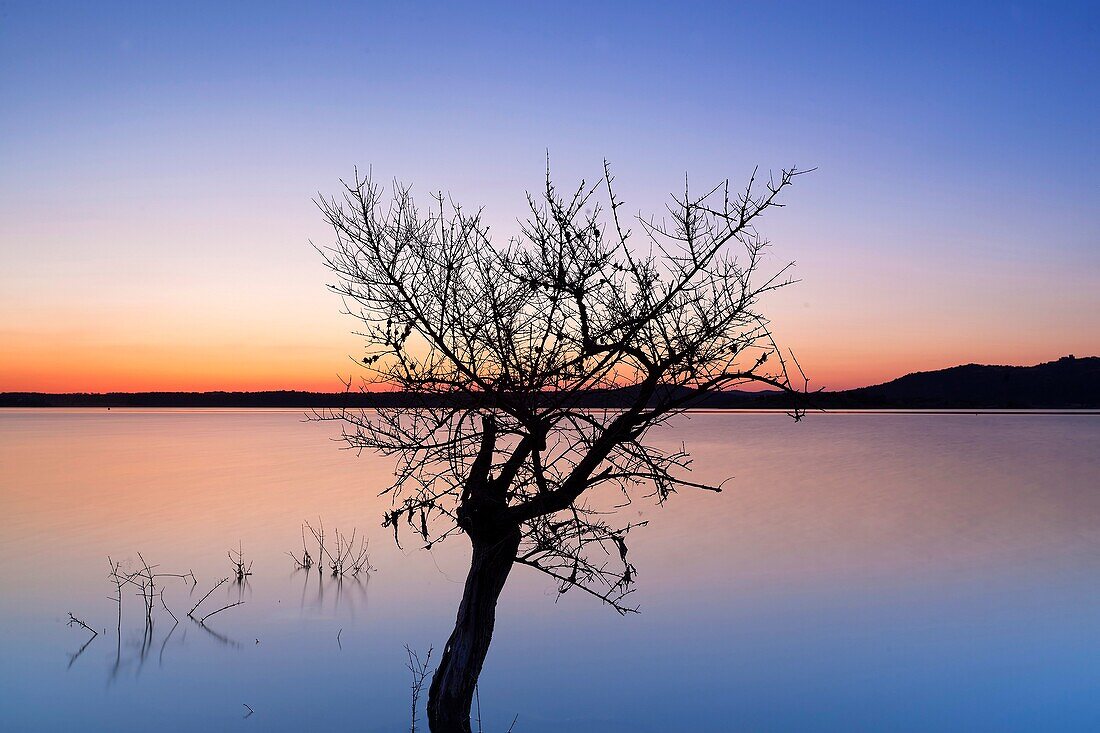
(1068, 383)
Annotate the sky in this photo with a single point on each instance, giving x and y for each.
(158, 165)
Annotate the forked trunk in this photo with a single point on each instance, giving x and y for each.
(452, 690)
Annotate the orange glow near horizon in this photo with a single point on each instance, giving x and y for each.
(52, 365)
(194, 325)
(44, 367)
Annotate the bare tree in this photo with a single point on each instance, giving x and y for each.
(532, 371)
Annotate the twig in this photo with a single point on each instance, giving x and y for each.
(239, 569)
(118, 587)
(166, 608)
(350, 555)
(231, 605)
(419, 671)
(218, 585)
(74, 620)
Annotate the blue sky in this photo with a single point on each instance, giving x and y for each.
(157, 163)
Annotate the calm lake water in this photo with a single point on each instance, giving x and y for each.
(861, 572)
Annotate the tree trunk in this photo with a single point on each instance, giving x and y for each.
(452, 691)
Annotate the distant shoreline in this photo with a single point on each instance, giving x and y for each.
(965, 412)
(1066, 384)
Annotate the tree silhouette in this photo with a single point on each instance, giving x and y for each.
(505, 351)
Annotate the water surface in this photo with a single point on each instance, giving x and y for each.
(860, 572)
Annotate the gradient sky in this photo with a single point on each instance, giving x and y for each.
(157, 164)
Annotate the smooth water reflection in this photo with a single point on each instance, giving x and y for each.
(861, 572)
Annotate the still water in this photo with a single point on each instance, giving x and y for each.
(861, 572)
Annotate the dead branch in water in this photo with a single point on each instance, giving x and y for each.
(74, 620)
(220, 583)
(419, 669)
(118, 588)
(349, 556)
(166, 607)
(240, 571)
(306, 561)
(223, 608)
(147, 583)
